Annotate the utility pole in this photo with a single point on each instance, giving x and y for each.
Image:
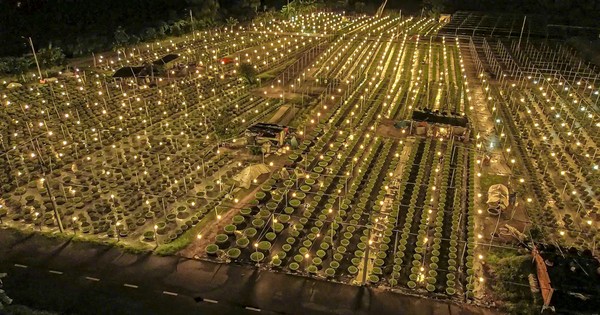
(192, 25)
(367, 253)
(35, 57)
(54, 205)
(522, 28)
(47, 186)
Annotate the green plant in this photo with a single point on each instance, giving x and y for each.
(234, 253)
(212, 249)
(257, 256)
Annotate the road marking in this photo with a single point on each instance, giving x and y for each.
(170, 293)
(92, 279)
(56, 272)
(20, 266)
(130, 285)
(250, 308)
(210, 301)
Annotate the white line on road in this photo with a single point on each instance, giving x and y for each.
(170, 293)
(20, 266)
(130, 285)
(92, 279)
(56, 272)
(252, 309)
(210, 301)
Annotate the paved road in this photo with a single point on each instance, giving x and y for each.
(80, 278)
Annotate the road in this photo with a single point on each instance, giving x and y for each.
(81, 278)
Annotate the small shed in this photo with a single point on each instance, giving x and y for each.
(129, 72)
(271, 132)
(165, 59)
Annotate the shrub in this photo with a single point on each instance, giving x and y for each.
(373, 279)
(278, 227)
(234, 253)
(258, 223)
(298, 258)
(221, 238)
(238, 219)
(270, 236)
(250, 232)
(295, 203)
(212, 249)
(330, 272)
(257, 256)
(260, 195)
(149, 235)
(242, 242)
(229, 229)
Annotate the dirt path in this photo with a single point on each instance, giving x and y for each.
(196, 248)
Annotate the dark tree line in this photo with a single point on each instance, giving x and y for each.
(69, 28)
(80, 26)
(568, 12)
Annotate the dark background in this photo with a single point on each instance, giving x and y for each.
(81, 26)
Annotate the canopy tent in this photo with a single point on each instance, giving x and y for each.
(250, 173)
(166, 59)
(498, 197)
(129, 72)
(437, 117)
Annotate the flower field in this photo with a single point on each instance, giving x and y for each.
(152, 163)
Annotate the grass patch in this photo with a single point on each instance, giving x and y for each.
(509, 270)
(129, 247)
(272, 73)
(487, 180)
(24, 310)
(266, 76)
(186, 238)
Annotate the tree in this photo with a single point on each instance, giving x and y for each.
(4, 299)
(163, 29)
(204, 8)
(149, 33)
(121, 38)
(296, 7)
(254, 4)
(231, 22)
(359, 7)
(51, 56)
(15, 65)
(4, 66)
(434, 7)
(248, 73)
